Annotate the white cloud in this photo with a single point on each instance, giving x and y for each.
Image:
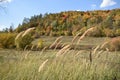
(106, 3)
(6, 1)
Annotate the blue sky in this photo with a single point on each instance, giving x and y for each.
(16, 10)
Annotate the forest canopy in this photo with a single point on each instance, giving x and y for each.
(107, 23)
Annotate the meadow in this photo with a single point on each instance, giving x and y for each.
(61, 64)
(66, 45)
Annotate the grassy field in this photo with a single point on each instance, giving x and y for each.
(68, 39)
(84, 44)
(60, 65)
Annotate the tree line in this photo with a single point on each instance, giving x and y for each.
(106, 23)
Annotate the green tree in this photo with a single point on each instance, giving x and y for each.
(11, 29)
(54, 25)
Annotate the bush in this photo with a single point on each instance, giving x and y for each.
(82, 30)
(24, 38)
(7, 40)
(117, 33)
(96, 32)
(40, 44)
(52, 33)
(68, 33)
(60, 33)
(24, 41)
(109, 32)
(113, 44)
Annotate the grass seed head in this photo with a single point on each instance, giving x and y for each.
(56, 41)
(19, 35)
(63, 50)
(84, 34)
(42, 65)
(27, 31)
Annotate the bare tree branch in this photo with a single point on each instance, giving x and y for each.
(2, 0)
(2, 7)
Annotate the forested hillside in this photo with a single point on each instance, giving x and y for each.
(106, 23)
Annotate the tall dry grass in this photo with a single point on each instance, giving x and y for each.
(75, 65)
(27, 31)
(23, 39)
(95, 50)
(58, 40)
(75, 38)
(83, 66)
(63, 50)
(112, 44)
(42, 65)
(84, 34)
(19, 35)
(23, 33)
(58, 45)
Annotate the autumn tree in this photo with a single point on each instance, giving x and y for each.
(73, 22)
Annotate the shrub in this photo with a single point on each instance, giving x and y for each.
(24, 41)
(52, 33)
(40, 44)
(68, 33)
(96, 32)
(113, 44)
(109, 32)
(81, 31)
(60, 33)
(24, 38)
(7, 40)
(76, 28)
(117, 33)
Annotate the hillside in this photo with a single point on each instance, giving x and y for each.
(106, 23)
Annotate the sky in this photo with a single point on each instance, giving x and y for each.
(16, 10)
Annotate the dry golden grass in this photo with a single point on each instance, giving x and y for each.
(63, 50)
(43, 50)
(55, 42)
(94, 51)
(28, 31)
(102, 46)
(19, 35)
(74, 62)
(99, 54)
(75, 38)
(58, 45)
(42, 65)
(26, 55)
(84, 34)
(23, 33)
(81, 51)
(112, 44)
